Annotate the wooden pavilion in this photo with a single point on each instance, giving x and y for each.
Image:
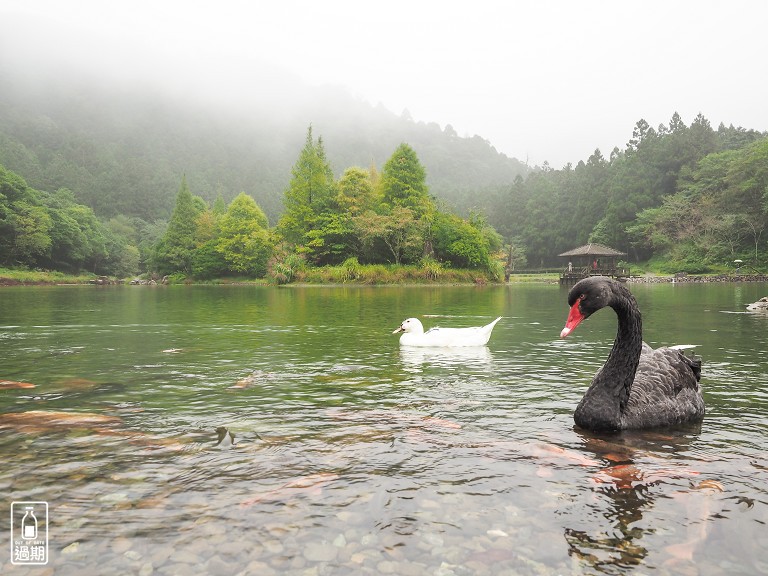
(592, 260)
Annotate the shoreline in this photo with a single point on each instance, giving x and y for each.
(704, 278)
(646, 279)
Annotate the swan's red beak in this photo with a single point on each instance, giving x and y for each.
(574, 318)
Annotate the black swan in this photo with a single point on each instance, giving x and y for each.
(638, 387)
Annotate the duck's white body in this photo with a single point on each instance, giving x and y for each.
(414, 335)
(759, 306)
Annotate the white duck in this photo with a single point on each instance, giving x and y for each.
(759, 306)
(414, 335)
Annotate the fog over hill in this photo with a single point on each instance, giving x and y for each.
(122, 137)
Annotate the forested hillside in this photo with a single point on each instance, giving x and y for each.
(365, 217)
(92, 177)
(690, 195)
(122, 149)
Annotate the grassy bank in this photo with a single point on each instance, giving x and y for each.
(16, 277)
(390, 274)
(360, 274)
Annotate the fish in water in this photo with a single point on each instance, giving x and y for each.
(311, 485)
(10, 384)
(36, 421)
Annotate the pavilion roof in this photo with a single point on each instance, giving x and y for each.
(593, 249)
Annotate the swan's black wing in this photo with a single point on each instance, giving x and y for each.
(665, 391)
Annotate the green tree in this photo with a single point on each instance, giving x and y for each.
(516, 257)
(310, 193)
(403, 181)
(356, 192)
(219, 206)
(719, 212)
(175, 250)
(207, 261)
(31, 239)
(150, 236)
(79, 239)
(459, 242)
(123, 257)
(244, 240)
(332, 240)
(18, 221)
(398, 231)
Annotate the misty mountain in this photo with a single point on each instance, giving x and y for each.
(123, 143)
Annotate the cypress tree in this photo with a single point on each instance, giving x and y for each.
(175, 250)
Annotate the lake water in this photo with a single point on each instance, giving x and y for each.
(352, 456)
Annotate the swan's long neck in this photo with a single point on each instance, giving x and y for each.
(606, 399)
(620, 368)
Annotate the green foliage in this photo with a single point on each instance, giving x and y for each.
(80, 241)
(284, 266)
(31, 238)
(121, 154)
(174, 252)
(208, 262)
(495, 270)
(433, 269)
(717, 215)
(121, 150)
(54, 231)
(351, 269)
(244, 240)
(516, 256)
(127, 260)
(23, 275)
(310, 194)
(219, 206)
(461, 243)
(176, 278)
(357, 191)
(331, 239)
(690, 196)
(397, 230)
(342, 223)
(150, 235)
(403, 181)
(394, 274)
(394, 225)
(668, 184)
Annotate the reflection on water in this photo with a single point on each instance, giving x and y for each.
(474, 357)
(284, 431)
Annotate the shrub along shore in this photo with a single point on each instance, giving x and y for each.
(683, 278)
(332, 275)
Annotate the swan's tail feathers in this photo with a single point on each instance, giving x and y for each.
(694, 362)
(695, 365)
(486, 331)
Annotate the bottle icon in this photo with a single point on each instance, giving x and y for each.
(29, 524)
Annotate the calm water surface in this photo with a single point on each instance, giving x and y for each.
(352, 456)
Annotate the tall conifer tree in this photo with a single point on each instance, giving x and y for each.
(310, 192)
(403, 181)
(176, 249)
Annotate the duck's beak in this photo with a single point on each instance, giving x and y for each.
(401, 329)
